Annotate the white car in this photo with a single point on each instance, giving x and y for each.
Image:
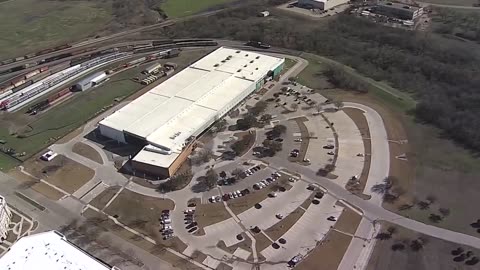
(273, 194)
(277, 174)
(298, 140)
(292, 179)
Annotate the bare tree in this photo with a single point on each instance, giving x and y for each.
(294, 106)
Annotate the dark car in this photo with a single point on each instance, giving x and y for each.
(193, 229)
(279, 140)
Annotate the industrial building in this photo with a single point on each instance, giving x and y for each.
(152, 69)
(321, 4)
(167, 119)
(5, 216)
(398, 10)
(49, 250)
(90, 81)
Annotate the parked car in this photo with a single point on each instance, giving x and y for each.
(279, 216)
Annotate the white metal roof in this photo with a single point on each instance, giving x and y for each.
(48, 250)
(171, 112)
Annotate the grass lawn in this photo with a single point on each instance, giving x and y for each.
(210, 213)
(328, 253)
(40, 187)
(31, 25)
(101, 200)
(61, 172)
(66, 117)
(435, 254)
(182, 8)
(156, 250)
(139, 212)
(348, 221)
(87, 151)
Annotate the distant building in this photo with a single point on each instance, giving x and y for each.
(398, 10)
(90, 81)
(321, 4)
(152, 69)
(52, 251)
(5, 216)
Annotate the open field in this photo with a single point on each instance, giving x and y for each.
(61, 172)
(139, 212)
(45, 128)
(435, 254)
(182, 8)
(30, 182)
(328, 253)
(156, 250)
(87, 151)
(25, 29)
(210, 213)
(101, 200)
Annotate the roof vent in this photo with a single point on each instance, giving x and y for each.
(245, 66)
(237, 51)
(256, 68)
(239, 70)
(251, 61)
(223, 61)
(216, 65)
(257, 57)
(246, 54)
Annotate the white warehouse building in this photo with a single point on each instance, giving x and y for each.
(321, 4)
(170, 116)
(49, 250)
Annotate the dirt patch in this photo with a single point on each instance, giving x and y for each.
(348, 221)
(140, 212)
(42, 188)
(87, 151)
(61, 172)
(358, 186)
(103, 198)
(328, 253)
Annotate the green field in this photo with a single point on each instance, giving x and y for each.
(182, 8)
(67, 116)
(30, 25)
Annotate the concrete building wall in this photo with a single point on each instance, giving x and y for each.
(112, 133)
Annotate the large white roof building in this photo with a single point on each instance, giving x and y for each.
(49, 250)
(183, 106)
